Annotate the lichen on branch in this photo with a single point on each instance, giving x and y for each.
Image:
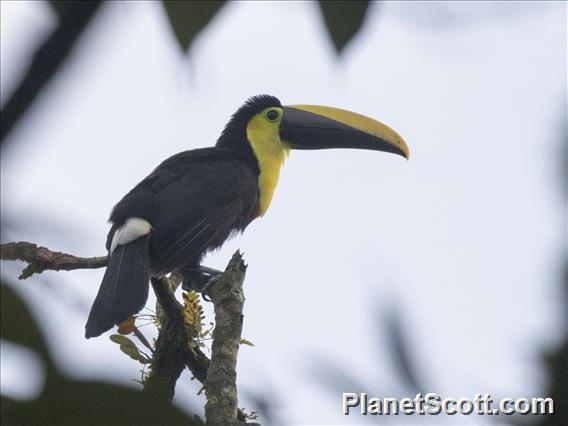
(220, 386)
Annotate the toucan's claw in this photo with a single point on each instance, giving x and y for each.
(208, 286)
(198, 278)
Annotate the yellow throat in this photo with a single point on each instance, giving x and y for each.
(270, 152)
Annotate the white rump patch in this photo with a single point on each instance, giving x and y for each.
(132, 229)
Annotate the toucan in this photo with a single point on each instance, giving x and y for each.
(195, 200)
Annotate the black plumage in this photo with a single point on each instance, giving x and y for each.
(124, 287)
(194, 201)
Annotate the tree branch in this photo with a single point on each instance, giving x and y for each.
(41, 259)
(171, 346)
(174, 349)
(174, 340)
(220, 386)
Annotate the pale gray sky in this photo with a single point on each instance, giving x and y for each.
(465, 238)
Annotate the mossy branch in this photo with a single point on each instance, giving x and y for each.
(173, 350)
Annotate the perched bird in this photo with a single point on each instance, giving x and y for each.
(196, 200)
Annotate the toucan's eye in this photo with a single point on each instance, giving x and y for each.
(272, 115)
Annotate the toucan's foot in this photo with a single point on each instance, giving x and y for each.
(200, 279)
(208, 286)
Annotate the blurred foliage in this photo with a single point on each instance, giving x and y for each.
(557, 366)
(343, 19)
(17, 324)
(188, 18)
(338, 378)
(67, 401)
(557, 363)
(266, 400)
(61, 7)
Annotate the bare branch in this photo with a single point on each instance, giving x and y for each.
(41, 259)
(221, 387)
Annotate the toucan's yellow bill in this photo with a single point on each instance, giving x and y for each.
(321, 127)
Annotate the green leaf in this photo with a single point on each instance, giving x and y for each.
(188, 18)
(246, 342)
(129, 348)
(343, 19)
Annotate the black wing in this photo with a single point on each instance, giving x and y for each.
(194, 201)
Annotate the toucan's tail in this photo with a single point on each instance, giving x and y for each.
(124, 289)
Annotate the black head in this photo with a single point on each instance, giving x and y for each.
(302, 127)
(234, 135)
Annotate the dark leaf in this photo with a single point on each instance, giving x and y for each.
(188, 18)
(17, 323)
(45, 63)
(61, 7)
(343, 19)
(333, 376)
(69, 402)
(398, 343)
